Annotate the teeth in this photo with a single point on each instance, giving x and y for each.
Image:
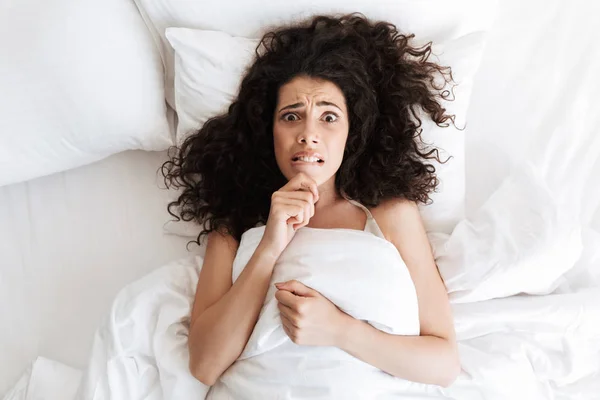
(308, 159)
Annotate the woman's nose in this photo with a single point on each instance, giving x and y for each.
(309, 134)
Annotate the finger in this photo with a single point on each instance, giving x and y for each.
(297, 288)
(302, 203)
(288, 330)
(286, 298)
(301, 194)
(308, 213)
(293, 210)
(303, 181)
(307, 200)
(286, 202)
(286, 318)
(312, 187)
(290, 313)
(295, 217)
(303, 199)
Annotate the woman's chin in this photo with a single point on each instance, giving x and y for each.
(315, 175)
(308, 169)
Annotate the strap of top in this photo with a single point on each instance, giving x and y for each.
(371, 225)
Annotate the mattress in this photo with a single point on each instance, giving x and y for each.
(69, 242)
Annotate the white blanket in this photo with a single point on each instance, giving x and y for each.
(362, 274)
(48, 380)
(521, 347)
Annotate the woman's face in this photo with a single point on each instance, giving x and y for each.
(310, 128)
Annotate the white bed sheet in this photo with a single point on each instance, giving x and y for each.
(68, 243)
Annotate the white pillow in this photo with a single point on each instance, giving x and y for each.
(436, 20)
(459, 26)
(80, 80)
(209, 66)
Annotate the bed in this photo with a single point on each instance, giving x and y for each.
(51, 227)
(70, 241)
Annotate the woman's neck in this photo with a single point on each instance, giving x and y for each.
(328, 196)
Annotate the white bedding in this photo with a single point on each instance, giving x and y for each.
(520, 347)
(69, 242)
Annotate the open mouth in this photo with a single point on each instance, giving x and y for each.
(308, 159)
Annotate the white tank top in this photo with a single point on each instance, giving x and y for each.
(371, 224)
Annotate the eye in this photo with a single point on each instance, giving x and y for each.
(285, 117)
(331, 117)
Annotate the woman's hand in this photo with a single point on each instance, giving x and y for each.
(308, 317)
(292, 207)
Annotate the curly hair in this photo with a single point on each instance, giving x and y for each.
(227, 168)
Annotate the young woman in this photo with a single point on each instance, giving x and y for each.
(323, 140)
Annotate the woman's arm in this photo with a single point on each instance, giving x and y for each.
(425, 359)
(223, 314)
(310, 319)
(431, 358)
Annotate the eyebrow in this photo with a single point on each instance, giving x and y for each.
(299, 105)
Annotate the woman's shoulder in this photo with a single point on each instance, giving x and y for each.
(395, 207)
(396, 215)
(222, 240)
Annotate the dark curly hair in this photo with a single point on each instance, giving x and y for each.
(227, 168)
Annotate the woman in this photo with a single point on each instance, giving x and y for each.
(323, 140)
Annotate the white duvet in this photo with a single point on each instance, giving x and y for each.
(521, 347)
(363, 275)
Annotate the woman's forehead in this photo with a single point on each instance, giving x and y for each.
(303, 88)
